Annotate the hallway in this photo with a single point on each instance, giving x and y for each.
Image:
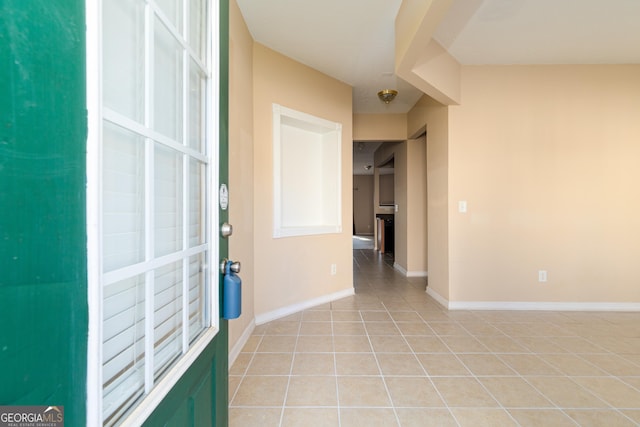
(390, 355)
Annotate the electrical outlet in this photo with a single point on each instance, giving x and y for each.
(334, 269)
(542, 276)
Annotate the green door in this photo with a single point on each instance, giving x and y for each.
(43, 263)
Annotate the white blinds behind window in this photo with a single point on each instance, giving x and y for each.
(123, 344)
(197, 27)
(168, 201)
(154, 191)
(172, 9)
(123, 198)
(168, 316)
(168, 84)
(197, 297)
(123, 38)
(197, 199)
(196, 107)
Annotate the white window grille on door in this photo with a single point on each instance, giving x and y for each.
(156, 166)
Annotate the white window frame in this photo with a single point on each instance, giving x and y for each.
(95, 116)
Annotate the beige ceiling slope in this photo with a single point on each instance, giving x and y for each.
(420, 60)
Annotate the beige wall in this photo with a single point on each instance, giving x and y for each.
(379, 127)
(400, 220)
(429, 114)
(420, 60)
(297, 269)
(241, 163)
(410, 197)
(416, 207)
(384, 153)
(386, 189)
(363, 204)
(547, 159)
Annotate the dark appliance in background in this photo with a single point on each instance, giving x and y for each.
(386, 239)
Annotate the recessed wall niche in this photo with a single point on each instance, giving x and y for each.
(307, 168)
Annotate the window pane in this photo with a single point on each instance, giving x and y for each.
(167, 316)
(197, 297)
(123, 345)
(167, 95)
(197, 21)
(196, 107)
(153, 197)
(123, 53)
(173, 10)
(197, 202)
(168, 201)
(123, 198)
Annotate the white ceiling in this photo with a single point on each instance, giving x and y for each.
(542, 31)
(363, 157)
(350, 40)
(353, 40)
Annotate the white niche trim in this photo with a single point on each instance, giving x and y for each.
(307, 170)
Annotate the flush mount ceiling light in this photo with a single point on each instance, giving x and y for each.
(387, 95)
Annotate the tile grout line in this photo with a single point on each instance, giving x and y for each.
(335, 366)
(293, 359)
(549, 334)
(521, 376)
(244, 374)
(563, 374)
(423, 368)
(375, 356)
(473, 374)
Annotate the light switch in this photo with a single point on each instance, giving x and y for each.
(462, 206)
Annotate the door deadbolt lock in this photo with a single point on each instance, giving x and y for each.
(226, 230)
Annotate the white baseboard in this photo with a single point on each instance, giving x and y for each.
(439, 298)
(406, 273)
(417, 274)
(532, 306)
(239, 345)
(304, 305)
(400, 268)
(543, 306)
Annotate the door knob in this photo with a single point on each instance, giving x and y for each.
(234, 267)
(226, 230)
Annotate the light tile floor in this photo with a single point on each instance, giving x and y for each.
(392, 356)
